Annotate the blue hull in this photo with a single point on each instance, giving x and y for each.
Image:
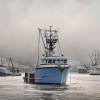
(51, 75)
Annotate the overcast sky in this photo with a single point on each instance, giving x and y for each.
(78, 22)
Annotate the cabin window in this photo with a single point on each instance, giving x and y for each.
(53, 60)
(58, 60)
(43, 61)
(50, 61)
(65, 60)
(46, 61)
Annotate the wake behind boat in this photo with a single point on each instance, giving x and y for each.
(52, 68)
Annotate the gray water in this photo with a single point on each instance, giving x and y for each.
(82, 87)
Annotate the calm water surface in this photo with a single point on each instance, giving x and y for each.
(82, 87)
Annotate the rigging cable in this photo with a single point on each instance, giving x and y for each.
(42, 39)
(60, 47)
(38, 49)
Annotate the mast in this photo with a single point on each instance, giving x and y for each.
(12, 65)
(2, 61)
(51, 37)
(38, 47)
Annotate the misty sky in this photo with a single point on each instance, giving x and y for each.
(78, 22)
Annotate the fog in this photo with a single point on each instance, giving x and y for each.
(77, 21)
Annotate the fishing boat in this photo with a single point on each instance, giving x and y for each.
(4, 71)
(95, 63)
(14, 70)
(52, 68)
(8, 70)
(83, 69)
(94, 70)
